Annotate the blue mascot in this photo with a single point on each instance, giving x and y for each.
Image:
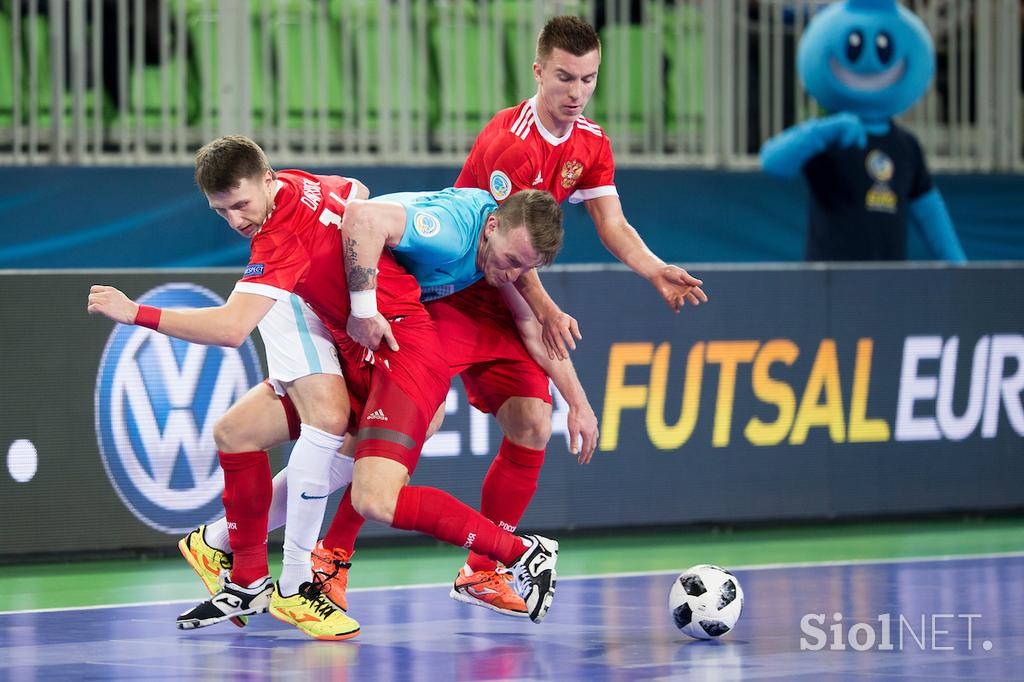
(864, 61)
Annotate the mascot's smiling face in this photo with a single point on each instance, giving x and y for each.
(873, 58)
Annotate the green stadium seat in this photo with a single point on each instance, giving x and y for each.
(484, 87)
(6, 70)
(363, 27)
(203, 79)
(684, 41)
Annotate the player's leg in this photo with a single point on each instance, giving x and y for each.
(332, 557)
(386, 456)
(236, 543)
(322, 403)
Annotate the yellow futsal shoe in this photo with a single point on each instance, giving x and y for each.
(313, 613)
(332, 565)
(207, 562)
(489, 589)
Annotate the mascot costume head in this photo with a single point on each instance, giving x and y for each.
(873, 58)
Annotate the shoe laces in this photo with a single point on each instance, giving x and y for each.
(313, 591)
(339, 561)
(224, 560)
(518, 576)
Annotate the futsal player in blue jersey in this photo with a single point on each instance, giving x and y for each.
(452, 242)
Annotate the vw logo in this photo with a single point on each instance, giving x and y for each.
(157, 399)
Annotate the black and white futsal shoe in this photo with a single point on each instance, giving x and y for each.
(534, 575)
(230, 601)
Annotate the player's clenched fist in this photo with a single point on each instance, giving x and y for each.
(112, 303)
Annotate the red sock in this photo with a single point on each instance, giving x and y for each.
(247, 492)
(436, 513)
(345, 526)
(508, 488)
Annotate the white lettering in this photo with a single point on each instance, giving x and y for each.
(914, 388)
(812, 631)
(921, 641)
(970, 632)
(885, 620)
(953, 427)
(837, 633)
(854, 640)
(937, 631)
(311, 194)
(1004, 346)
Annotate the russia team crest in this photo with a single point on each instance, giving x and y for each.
(571, 172)
(157, 400)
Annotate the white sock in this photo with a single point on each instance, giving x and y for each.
(216, 535)
(341, 476)
(308, 477)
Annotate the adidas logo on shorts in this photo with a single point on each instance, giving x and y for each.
(377, 414)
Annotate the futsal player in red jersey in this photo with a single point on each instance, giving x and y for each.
(293, 217)
(543, 143)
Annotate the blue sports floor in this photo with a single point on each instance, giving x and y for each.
(599, 628)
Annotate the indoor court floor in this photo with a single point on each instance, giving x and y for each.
(952, 589)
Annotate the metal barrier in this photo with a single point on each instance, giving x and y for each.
(683, 82)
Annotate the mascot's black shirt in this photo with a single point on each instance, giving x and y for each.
(860, 198)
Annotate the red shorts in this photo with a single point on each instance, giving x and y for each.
(481, 342)
(394, 395)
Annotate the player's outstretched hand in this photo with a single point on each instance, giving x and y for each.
(582, 425)
(560, 330)
(677, 286)
(112, 303)
(369, 331)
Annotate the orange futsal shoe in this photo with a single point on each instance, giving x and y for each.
(332, 565)
(489, 589)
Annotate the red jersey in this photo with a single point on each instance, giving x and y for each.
(515, 151)
(298, 250)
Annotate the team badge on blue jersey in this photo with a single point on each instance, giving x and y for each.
(253, 270)
(501, 186)
(157, 400)
(426, 224)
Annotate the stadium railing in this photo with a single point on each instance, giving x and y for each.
(683, 82)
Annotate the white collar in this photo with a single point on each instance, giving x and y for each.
(544, 132)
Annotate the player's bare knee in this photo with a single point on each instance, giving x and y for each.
(375, 504)
(229, 434)
(529, 424)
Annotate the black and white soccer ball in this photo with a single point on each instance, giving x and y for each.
(705, 601)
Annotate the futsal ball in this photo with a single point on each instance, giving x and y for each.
(705, 601)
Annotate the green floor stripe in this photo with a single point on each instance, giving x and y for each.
(127, 581)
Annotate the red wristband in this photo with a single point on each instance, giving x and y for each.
(148, 316)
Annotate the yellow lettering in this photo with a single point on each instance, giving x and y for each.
(663, 436)
(728, 354)
(824, 377)
(617, 395)
(773, 392)
(862, 429)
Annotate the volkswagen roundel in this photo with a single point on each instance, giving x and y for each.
(157, 399)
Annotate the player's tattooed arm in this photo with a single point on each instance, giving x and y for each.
(360, 278)
(366, 229)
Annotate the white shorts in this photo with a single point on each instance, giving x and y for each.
(297, 342)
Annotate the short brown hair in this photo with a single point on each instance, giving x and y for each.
(222, 164)
(541, 215)
(568, 33)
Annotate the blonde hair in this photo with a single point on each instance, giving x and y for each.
(542, 216)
